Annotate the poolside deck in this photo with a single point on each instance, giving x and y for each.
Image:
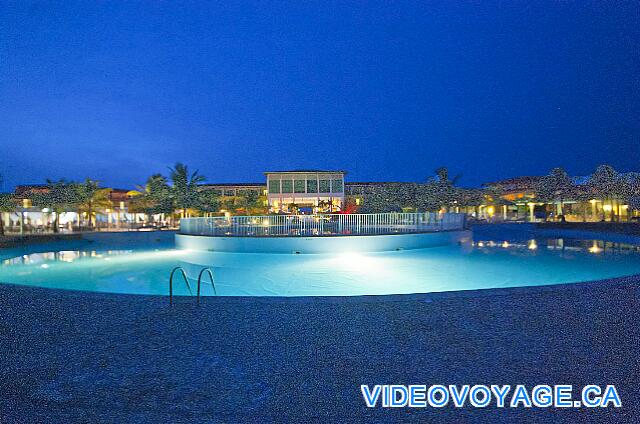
(90, 357)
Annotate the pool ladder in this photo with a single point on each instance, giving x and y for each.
(186, 280)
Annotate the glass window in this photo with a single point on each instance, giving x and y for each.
(287, 186)
(312, 186)
(274, 186)
(336, 186)
(298, 186)
(324, 186)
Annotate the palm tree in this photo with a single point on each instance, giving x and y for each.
(7, 204)
(154, 197)
(442, 175)
(185, 187)
(208, 201)
(92, 199)
(60, 196)
(442, 188)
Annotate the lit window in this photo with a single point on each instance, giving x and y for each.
(336, 186)
(274, 186)
(298, 186)
(312, 186)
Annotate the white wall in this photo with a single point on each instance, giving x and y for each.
(321, 244)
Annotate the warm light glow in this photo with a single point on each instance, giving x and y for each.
(593, 201)
(595, 248)
(505, 244)
(265, 223)
(491, 210)
(480, 244)
(607, 208)
(533, 245)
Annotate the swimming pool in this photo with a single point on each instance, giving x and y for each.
(133, 268)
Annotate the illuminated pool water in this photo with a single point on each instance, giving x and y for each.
(477, 265)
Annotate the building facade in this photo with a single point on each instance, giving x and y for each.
(305, 191)
(520, 201)
(31, 218)
(321, 191)
(236, 189)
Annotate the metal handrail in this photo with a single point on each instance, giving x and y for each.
(213, 285)
(186, 280)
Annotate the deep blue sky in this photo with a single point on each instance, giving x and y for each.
(387, 91)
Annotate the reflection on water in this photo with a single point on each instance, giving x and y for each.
(474, 265)
(63, 256)
(590, 246)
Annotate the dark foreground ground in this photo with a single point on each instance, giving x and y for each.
(69, 357)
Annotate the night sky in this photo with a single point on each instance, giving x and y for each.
(386, 91)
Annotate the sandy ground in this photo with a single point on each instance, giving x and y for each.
(71, 357)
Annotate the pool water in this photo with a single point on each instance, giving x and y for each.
(476, 265)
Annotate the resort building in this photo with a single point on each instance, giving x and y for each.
(236, 189)
(516, 200)
(305, 191)
(32, 218)
(317, 191)
(520, 201)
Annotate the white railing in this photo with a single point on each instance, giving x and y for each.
(323, 225)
